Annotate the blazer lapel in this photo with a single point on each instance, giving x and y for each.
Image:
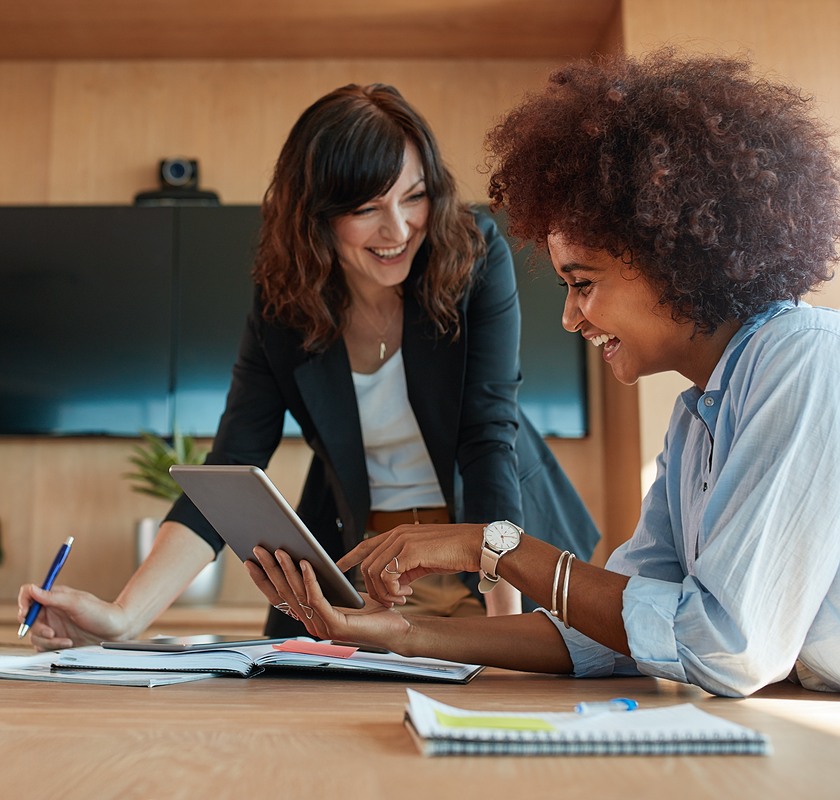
(326, 385)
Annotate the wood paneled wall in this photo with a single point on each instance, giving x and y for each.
(93, 131)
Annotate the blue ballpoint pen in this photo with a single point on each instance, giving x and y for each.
(57, 564)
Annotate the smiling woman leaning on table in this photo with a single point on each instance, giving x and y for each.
(687, 205)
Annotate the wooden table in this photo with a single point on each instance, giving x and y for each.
(296, 737)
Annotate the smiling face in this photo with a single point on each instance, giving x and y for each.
(612, 305)
(377, 242)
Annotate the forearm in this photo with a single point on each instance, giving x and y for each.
(526, 642)
(177, 556)
(594, 594)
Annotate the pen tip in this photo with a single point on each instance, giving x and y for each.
(69, 541)
(22, 630)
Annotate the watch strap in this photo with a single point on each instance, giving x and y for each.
(489, 562)
(489, 578)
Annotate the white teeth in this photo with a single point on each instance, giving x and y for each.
(601, 338)
(390, 252)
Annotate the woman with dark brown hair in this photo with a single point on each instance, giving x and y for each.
(687, 205)
(386, 322)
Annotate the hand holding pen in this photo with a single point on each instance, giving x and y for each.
(35, 608)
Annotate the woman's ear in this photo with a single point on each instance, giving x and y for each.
(630, 272)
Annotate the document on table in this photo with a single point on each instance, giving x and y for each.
(38, 667)
(295, 654)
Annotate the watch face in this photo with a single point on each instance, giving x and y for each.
(501, 535)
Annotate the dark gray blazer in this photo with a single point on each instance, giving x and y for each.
(490, 461)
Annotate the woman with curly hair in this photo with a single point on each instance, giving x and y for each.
(687, 206)
(386, 322)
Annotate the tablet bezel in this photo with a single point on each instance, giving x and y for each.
(247, 509)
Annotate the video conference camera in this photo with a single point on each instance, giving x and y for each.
(178, 185)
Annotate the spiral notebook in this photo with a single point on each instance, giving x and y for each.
(438, 729)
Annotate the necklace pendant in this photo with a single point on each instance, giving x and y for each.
(382, 351)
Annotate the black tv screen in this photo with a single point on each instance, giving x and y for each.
(85, 320)
(121, 319)
(213, 295)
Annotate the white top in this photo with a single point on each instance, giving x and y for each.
(400, 471)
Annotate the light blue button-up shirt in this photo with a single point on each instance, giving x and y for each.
(735, 559)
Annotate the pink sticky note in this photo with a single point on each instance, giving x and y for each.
(316, 648)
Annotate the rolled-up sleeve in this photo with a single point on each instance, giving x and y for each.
(590, 659)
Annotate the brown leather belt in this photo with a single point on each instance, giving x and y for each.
(381, 521)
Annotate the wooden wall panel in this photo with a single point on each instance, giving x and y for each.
(54, 488)
(94, 131)
(26, 110)
(247, 29)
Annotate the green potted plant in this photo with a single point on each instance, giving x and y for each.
(151, 460)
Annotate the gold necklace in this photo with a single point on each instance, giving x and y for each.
(380, 333)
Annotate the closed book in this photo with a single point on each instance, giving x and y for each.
(438, 729)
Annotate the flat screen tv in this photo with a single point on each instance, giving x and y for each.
(121, 319)
(85, 320)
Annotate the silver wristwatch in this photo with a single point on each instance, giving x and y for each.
(499, 538)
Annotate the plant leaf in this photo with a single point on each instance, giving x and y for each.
(152, 459)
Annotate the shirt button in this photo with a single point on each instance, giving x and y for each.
(339, 524)
(708, 401)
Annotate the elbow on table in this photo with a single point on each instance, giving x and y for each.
(736, 675)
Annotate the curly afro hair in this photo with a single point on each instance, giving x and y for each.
(721, 187)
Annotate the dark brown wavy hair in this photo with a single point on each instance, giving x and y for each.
(345, 150)
(721, 187)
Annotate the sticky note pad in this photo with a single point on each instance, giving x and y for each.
(316, 648)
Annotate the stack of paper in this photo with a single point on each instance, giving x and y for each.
(39, 668)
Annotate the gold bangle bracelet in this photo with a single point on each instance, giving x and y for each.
(566, 588)
(556, 584)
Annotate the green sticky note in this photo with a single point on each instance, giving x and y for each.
(485, 721)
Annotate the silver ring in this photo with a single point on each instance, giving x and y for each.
(283, 606)
(396, 564)
(307, 610)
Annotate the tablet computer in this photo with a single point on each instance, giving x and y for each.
(247, 510)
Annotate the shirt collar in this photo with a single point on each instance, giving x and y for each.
(719, 379)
